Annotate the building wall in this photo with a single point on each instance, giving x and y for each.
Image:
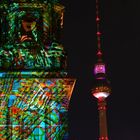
(34, 86)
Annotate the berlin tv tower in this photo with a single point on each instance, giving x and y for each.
(101, 89)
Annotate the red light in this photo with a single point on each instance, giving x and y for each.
(102, 108)
(98, 33)
(103, 138)
(99, 53)
(97, 19)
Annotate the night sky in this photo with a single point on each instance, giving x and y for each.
(120, 42)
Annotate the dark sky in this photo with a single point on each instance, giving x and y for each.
(120, 43)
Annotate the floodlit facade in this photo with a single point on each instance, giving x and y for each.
(35, 88)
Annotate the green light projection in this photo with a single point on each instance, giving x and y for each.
(34, 88)
(30, 37)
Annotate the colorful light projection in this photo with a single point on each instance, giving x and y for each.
(34, 108)
(34, 58)
(34, 88)
(30, 36)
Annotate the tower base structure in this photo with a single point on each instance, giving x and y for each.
(102, 120)
(34, 105)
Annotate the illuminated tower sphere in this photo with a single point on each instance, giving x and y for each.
(35, 89)
(101, 89)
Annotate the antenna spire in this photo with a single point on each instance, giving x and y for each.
(98, 33)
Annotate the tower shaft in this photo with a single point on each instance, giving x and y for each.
(102, 120)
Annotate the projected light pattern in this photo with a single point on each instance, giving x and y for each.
(19, 57)
(33, 74)
(34, 108)
(30, 34)
(34, 88)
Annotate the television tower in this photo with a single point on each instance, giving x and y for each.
(102, 88)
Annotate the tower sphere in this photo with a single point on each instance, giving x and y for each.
(102, 89)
